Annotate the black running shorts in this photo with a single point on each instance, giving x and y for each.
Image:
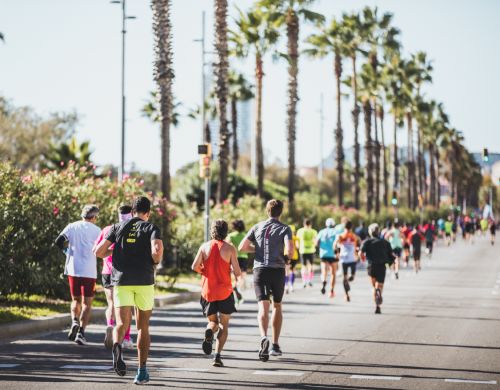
(267, 282)
(397, 251)
(346, 266)
(243, 263)
(330, 260)
(106, 281)
(307, 258)
(376, 271)
(293, 264)
(416, 255)
(225, 306)
(406, 246)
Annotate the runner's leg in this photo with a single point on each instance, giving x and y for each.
(263, 317)
(86, 309)
(143, 337)
(76, 308)
(277, 321)
(110, 309)
(223, 332)
(123, 316)
(333, 270)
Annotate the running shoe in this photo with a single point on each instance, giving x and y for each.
(397, 275)
(217, 361)
(286, 290)
(377, 310)
(378, 297)
(127, 344)
(108, 339)
(80, 338)
(73, 331)
(208, 341)
(276, 350)
(118, 364)
(332, 293)
(305, 285)
(142, 376)
(347, 297)
(323, 289)
(310, 284)
(347, 287)
(264, 350)
(351, 278)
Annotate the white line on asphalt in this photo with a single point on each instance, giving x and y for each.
(494, 292)
(183, 369)
(471, 381)
(7, 365)
(85, 367)
(385, 378)
(278, 372)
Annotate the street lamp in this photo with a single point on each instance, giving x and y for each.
(121, 168)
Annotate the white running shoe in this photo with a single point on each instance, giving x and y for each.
(128, 344)
(80, 339)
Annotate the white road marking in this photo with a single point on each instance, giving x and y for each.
(385, 378)
(278, 372)
(86, 367)
(183, 369)
(494, 292)
(471, 381)
(7, 365)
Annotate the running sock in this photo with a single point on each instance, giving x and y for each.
(304, 275)
(311, 275)
(287, 279)
(111, 322)
(127, 334)
(292, 278)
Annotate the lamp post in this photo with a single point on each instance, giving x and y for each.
(121, 168)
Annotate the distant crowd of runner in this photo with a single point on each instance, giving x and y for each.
(132, 249)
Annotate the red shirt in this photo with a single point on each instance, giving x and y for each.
(216, 275)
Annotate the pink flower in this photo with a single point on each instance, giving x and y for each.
(226, 202)
(61, 163)
(126, 176)
(141, 182)
(73, 200)
(55, 210)
(27, 179)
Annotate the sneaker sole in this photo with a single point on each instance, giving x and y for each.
(276, 353)
(118, 364)
(73, 332)
(80, 342)
(264, 351)
(217, 364)
(141, 382)
(207, 344)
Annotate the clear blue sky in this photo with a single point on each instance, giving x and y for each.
(65, 54)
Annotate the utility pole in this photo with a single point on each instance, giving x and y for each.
(206, 174)
(321, 129)
(121, 168)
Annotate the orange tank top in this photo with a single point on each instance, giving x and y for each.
(216, 276)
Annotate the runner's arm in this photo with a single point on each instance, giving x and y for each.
(156, 250)
(234, 263)
(290, 250)
(197, 265)
(246, 246)
(103, 249)
(61, 242)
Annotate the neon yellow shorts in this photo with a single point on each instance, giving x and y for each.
(141, 296)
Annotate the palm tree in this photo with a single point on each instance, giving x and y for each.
(164, 75)
(59, 156)
(151, 109)
(239, 90)
(2, 37)
(288, 13)
(221, 68)
(381, 116)
(332, 39)
(257, 32)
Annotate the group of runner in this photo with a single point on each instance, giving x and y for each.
(132, 248)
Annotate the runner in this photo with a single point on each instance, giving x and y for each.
(268, 239)
(448, 230)
(394, 238)
(76, 241)
(416, 238)
(378, 252)
(493, 230)
(454, 228)
(329, 261)
(469, 229)
(362, 231)
(348, 244)
(235, 238)
(214, 261)
(440, 225)
(138, 250)
(405, 236)
(124, 214)
(429, 238)
(290, 267)
(307, 249)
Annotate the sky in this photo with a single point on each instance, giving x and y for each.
(64, 55)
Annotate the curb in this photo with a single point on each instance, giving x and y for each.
(61, 321)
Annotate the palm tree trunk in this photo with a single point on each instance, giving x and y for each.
(355, 120)
(409, 169)
(376, 151)
(438, 170)
(221, 90)
(432, 169)
(395, 184)
(234, 123)
(420, 162)
(292, 28)
(414, 191)
(367, 113)
(164, 74)
(384, 158)
(339, 134)
(259, 74)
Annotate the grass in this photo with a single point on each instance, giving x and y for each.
(17, 307)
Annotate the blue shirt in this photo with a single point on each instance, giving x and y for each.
(326, 238)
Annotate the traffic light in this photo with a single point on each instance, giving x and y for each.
(205, 153)
(486, 156)
(394, 200)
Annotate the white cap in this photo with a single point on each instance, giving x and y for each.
(330, 222)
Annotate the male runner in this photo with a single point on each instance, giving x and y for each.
(429, 233)
(269, 239)
(394, 238)
(138, 250)
(378, 252)
(362, 231)
(405, 235)
(290, 267)
(347, 244)
(235, 238)
(307, 249)
(124, 214)
(77, 240)
(493, 230)
(448, 230)
(416, 238)
(214, 261)
(329, 261)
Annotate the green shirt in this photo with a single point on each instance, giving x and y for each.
(236, 238)
(306, 238)
(448, 226)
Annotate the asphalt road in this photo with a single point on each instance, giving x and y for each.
(439, 329)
